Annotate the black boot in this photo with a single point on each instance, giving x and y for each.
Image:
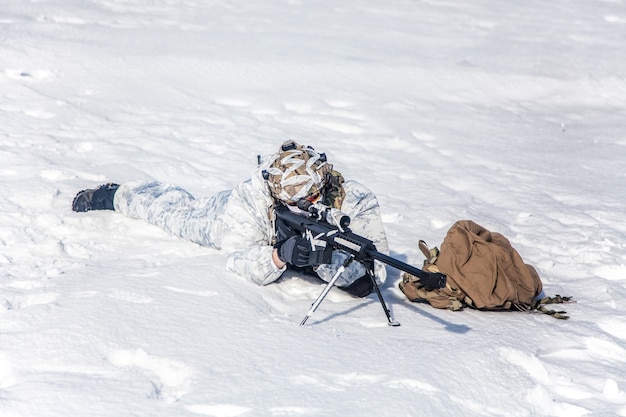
(100, 198)
(362, 287)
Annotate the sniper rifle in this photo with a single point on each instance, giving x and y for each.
(327, 229)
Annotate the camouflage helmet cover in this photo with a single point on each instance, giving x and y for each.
(296, 172)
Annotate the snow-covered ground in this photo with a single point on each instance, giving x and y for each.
(512, 114)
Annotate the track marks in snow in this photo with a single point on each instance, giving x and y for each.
(23, 301)
(412, 385)
(612, 272)
(230, 410)
(616, 19)
(28, 293)
(39, 114)
(615, 326)
(35, 75)
(199, 293)
(168, 379)
(330, 115)
(130, 297)
(341, 382)
(551, 393)
(327, 115)
(35, 113)
(7, 377)
(293, 411)
(233, 102)
(218, 410)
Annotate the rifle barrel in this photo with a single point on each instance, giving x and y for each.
(430, 280)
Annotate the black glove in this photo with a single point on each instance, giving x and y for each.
(295, 251)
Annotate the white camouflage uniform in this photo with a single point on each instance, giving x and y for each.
(240, 222)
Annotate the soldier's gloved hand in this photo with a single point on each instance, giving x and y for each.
(295, 251)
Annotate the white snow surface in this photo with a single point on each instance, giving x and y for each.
(512, 114)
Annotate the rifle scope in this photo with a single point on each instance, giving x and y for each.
(331, 215)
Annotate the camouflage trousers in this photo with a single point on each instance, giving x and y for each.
(175, 210)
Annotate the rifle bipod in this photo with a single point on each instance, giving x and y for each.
(331, 283)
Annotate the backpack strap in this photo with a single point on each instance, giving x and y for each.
(540, 306)
(557, 299)
(430, 254)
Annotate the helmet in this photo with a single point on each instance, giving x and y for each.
(297, 172)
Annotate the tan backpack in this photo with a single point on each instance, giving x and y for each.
(483, 271)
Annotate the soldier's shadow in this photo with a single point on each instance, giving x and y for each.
(449, 326)
(393, 275)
